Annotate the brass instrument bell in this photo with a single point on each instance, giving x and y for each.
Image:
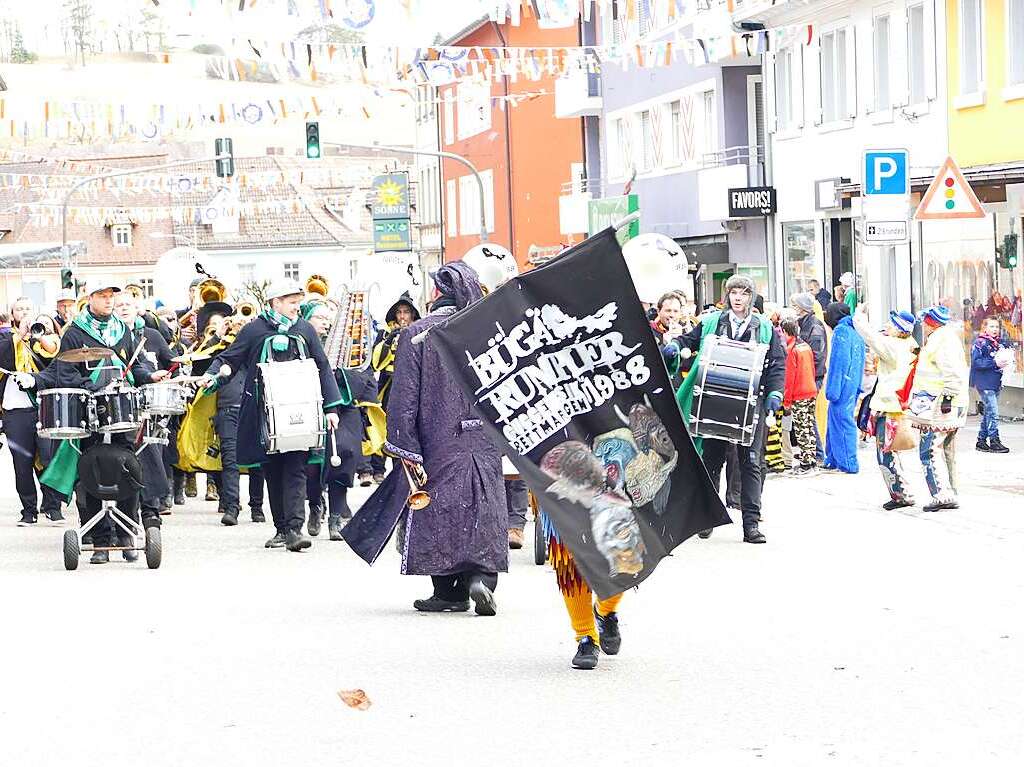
(318, 285)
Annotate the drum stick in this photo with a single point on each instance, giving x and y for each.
(135, 356)
(335, 460)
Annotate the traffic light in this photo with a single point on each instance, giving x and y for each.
(1008, 253)
(67, 282)
(313, 140)
(225, 167)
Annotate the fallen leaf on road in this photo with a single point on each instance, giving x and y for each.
(355, 699)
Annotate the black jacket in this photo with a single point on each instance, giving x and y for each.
(76, 374)
(773, 379)
(243, 356)
(812, 332)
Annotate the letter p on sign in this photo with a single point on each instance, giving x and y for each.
(885, 172)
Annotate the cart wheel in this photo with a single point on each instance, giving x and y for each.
(540, 542)
(72, 550)
(154, 548)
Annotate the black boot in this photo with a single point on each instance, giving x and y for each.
(995, 446)
(258, 516)
(608, 632)
(982, 445)
(586, 655)
(334, 528)
(296, 541)
(179, 489)
(316, 516)
(705, 534)
(99, 558)
(277, 542)
(230, 518)
(753, 535)
(482, 597)
(434, 604)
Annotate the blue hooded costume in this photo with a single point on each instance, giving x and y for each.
(842, 387)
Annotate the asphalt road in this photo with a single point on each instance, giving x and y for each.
(855, 636)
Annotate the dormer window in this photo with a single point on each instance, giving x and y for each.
(121, 235)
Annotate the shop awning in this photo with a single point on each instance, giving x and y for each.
(997, 173)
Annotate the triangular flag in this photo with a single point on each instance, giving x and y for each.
(949, 196)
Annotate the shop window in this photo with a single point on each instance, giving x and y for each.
(800, 255)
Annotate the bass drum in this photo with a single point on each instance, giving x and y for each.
(63, 413)
(294, 406)
(726, 393)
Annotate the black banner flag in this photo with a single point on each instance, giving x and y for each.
(563, 367)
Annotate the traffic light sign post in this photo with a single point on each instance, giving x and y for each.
(217, 158)
(313, 140)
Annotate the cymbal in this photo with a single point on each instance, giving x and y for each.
(86, 354)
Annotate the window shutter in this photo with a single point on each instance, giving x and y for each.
(851, 71)
(771, 109)
(929, 49)
(814, 83)
(898, 85)
(867, 82)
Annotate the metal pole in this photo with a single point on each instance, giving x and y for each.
(444, 155)
(67, 198)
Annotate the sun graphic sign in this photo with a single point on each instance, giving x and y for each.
(391, 196)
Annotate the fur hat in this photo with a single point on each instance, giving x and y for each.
(741, 281)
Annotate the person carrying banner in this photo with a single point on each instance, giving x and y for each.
(740, 324)
(461, 538)
(278, 334)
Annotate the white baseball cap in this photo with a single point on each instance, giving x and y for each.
(96, 284)
(283, 288)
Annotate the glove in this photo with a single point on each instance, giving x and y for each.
(772, 403)
(947, 405)
(25, 381)
(332, 420)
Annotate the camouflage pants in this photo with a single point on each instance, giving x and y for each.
(803, 429)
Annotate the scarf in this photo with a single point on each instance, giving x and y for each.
(278, 320)
(108, 332)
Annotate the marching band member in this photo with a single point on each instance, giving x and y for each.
(28, 348)
(319, 315)
(401, 314)
(175, 476)
(158, 355)
(740, 324)
(461, 539)
(211, 329)
(95, 326)
(277, 334)
(65, 308)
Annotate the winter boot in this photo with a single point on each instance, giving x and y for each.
(334, 528)
(982, 445)
(191, 491)
(316, 518)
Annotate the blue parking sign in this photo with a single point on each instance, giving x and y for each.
(886, 172)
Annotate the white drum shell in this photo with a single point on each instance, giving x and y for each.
(293, 405)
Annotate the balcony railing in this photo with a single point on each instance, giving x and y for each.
(751, 156)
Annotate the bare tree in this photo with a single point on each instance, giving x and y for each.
(78, 16)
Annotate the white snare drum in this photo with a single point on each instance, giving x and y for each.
(164, 399)
(293, 406)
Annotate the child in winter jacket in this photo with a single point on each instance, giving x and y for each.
(987, 378)
(800, 393)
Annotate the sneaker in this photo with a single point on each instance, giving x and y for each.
(277, 542)
(515, 538)
(900, 504)
(378, 477)
(230, 518)
(316, 518)
(995, 446)
(365, 479)
(586, 655)
(99, 558)
(937, 505)
(705, 534)
(608, 632)
(258, 516)
(483, 598)
(805, 471)
(296, 541)
(211, 491)
(753, 535)
(982, 446)
(191, 490)
(435, 604)
(55, 518)
(334, 528)
(28, 518)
